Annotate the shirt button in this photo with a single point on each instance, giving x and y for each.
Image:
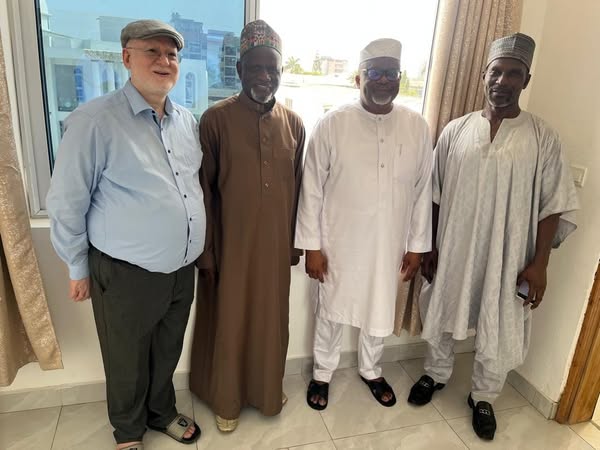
(382, 165)
(177, 173)
(190, 219)
(266, 163)
(264, 139)
(190, 241)
(184, 196)
(185, 261)
(381, 140)
(168, 151)
(266, 185)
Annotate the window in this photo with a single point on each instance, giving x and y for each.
(79, 59)
(190, 90)
(321, 50)
(67, 52)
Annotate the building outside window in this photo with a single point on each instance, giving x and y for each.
(79, 57)
(321, 50)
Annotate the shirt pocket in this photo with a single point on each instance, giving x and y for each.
(403, 166)
(284, 161)
(403, 177)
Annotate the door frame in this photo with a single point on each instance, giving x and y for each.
(580, 395)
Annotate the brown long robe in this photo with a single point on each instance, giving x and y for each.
(250, 175)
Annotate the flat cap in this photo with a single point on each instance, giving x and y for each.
(149, 28)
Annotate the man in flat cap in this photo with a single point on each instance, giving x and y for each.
(127, 217)
(364, 218)
(250, 175)
(503, 196)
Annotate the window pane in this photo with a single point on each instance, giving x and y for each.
(321, 50)
(82, 52)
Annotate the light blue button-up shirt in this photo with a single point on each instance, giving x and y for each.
(128, 184)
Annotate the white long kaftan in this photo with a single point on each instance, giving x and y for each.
(492, 196)
(365, 200)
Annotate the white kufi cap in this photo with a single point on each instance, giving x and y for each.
(390, 48)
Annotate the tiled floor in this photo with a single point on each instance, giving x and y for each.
(353, 420)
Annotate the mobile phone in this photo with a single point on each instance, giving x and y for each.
(523, 291)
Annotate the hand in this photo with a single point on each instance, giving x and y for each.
(535, 274)
(316, 265)
(429, 265)
(79, 290)
(410, 265)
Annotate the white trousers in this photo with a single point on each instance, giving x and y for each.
(439, 362)
(327, 347)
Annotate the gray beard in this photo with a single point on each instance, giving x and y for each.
(382, 100)
(260, 98)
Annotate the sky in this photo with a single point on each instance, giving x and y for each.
(340, 29)
(79, 16)
(336, 28)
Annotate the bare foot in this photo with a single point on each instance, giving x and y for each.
(127, 444)
(314, 399)
(387, 396)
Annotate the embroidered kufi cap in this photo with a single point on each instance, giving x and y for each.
(517, 46)
(259, 34)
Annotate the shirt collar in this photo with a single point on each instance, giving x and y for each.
(138, 103)
(254, 106)
(372, 116)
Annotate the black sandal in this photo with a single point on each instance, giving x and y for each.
(422, 390)
(378, 388)
(484, 421)
(322, 390)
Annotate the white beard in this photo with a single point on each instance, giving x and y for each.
(382, 100)
(260, 98)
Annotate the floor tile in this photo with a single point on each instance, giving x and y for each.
(431, 436)
(451, 401)
(327, 445)
(521, 428)
(87, 426)
(26, 430)
(589, 432)
(352, 409)
(84, 426)
(296, 425)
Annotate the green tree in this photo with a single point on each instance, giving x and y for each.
(404, 83)
(352, 78)
(292, 65)
(316, 68)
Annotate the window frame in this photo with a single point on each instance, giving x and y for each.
(24, 28)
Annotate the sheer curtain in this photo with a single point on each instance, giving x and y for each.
(26, 331)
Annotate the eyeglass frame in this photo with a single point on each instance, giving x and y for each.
(383, 72)
(155, 54)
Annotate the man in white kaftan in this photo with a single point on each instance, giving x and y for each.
(364, 214)
(505, 196)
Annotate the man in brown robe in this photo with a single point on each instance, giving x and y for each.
(251, 173)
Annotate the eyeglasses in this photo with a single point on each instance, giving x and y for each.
(376, 74)
(154, 54)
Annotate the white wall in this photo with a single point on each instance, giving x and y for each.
(564, 90)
